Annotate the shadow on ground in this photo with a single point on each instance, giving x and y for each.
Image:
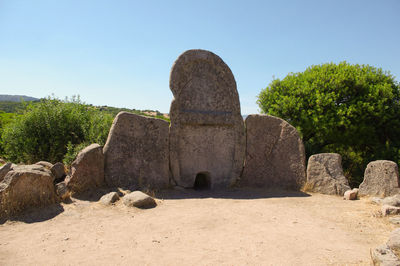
(35, 215)
(239, 193)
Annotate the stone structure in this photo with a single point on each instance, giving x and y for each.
(275, 154)
(26, 186)
(207, 141)
(381, 178)
(325, 174)
(136, 152)
(87, 170)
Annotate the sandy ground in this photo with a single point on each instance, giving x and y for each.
(245, 227)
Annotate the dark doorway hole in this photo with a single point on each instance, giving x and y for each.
(202, 181)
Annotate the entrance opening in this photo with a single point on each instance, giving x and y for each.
(202, 181)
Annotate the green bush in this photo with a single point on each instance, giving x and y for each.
(47, 129)
(353, 110)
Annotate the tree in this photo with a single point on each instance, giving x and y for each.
(353, 110)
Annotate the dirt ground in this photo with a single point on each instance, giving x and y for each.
(241, 227)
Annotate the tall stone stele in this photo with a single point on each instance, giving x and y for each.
(207, 141)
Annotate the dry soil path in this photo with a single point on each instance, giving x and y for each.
(208, 228)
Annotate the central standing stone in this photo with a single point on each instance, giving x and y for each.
(207, 131)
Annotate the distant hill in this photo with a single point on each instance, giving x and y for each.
(16, 98)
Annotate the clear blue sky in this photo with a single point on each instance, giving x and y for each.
(119, 53)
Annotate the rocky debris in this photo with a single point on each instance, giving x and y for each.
(384, 256)
(394, 241)
(391, 200)
(136, 152)
(109, 198)
(394, 220)
(58, 172)
(87, 170)
(376, 200)
(389, 210)
(351, 194)
(4, 170)
(381, 178)
(325, 174)
(207, 135)
(275, 156)
(45, 164)
(26, 186)
(62, 190)
(139, 199)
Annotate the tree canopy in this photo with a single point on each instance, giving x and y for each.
(353, 110)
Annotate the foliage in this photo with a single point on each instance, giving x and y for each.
(353, 110)
(12, 107)
(46, 129)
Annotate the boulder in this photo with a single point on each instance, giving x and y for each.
(4, 170)
(207, 135)
(351, 194)
(58, 172)
(381, 178)
(394, 241)
(391, 200)
(26, 186)
(389, 210)
(325, 174)
(45, 164)
(139, 199)
(384, 256)
(109, 198)
(87, 170)
(136, 152)
(62, 190)
(275, 156)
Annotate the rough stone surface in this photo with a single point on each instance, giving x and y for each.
(275, 154)
(384, 256)
(350, 194)
(109, 198)
(87, 170)
(207, 133)
(4, 170)
(392, 200)
(62, 190)
(45, 164)
(136, 152)
(325, 174)
(381, 178)
(139, 199)
(26, 186)
(389, 210)
(394, 241)
(394, 220)
(58, 172)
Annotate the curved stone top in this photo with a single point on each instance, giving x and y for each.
(204, 89)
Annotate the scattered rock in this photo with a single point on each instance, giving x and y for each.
(139, 199)
(45, 164)
(207, 135)
(392, 200)
(26, 186)
(62, 190)
(4, 170)
(376, 200)
(351, 194)
(381, 178)
(136, 153)
(394, 220)
(275, 156)
(58, 172)
(87, 170)
(325, 174)
(109, 198)
(384, 256)
(394, 241)
(390, 210)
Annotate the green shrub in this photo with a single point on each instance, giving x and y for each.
(353, 110)
(47, 129)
